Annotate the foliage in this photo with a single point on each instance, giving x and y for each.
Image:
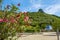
(42, 19)
(11, 22)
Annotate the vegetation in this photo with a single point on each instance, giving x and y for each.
(42, 19)
(12, 22)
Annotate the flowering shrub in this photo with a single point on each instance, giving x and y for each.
(11, 23)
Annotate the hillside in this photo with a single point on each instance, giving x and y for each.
(42, 19)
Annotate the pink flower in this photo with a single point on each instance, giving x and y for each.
(1, 20)
(5, 20)
(12, 20)
(26, 18)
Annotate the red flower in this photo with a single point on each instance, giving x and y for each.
(18, 15)
(5, 20)
(18, 4)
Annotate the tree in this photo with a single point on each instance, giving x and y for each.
(40, 10)
(0, 4)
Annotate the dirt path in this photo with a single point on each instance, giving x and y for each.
(45, 36)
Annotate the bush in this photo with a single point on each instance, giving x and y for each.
(11, 23)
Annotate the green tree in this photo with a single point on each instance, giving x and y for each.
(1, 4)
(40, 10)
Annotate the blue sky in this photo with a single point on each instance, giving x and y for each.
(49, 6)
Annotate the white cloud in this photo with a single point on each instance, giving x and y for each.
(35, 1)
(26, 9)
(15, 1)
(35, 4)
(52, 9)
